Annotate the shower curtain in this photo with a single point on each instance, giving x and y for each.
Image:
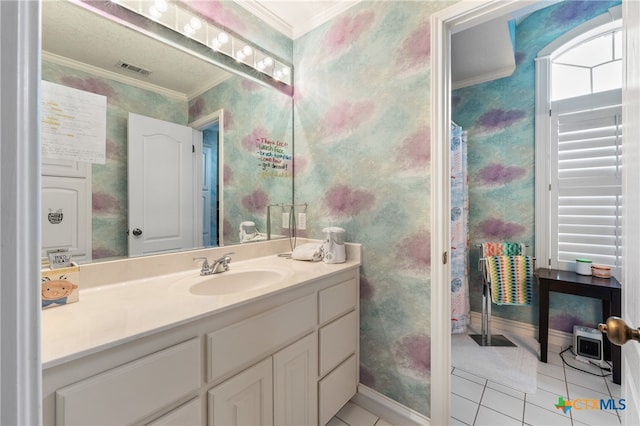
(460, 308)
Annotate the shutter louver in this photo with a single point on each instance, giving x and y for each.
(588, 184)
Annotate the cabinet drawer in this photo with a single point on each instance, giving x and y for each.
(337, 300)
(338, 340)
(188, 414)
(132, 391)
(337, 388)
(255, 338)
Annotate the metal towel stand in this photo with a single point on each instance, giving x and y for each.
(486, 338)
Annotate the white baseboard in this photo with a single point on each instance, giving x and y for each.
(501, 326)
(387, 409)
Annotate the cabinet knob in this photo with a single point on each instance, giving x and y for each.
(137, 232)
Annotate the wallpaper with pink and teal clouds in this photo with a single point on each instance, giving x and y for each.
(362, 162)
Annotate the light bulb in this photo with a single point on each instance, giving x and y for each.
(195, 23)
(161, 5)
(240, 55)
(247, 50)
(278, 74)
(268, 61)
(223, 38)
(260, 65)
(155, 13)
(286, 70)
(188, 30)
(215, 44)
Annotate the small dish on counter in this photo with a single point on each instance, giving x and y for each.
(601, 271)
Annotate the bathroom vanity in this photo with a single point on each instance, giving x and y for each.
(153, 351)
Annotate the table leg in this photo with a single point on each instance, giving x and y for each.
(543, 319)
(606, 313)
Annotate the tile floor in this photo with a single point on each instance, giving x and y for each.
(354, 415)
(477, 401)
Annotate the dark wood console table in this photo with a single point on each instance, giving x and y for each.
(606, 289)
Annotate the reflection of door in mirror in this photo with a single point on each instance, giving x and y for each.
(164, 174)
(210, 185)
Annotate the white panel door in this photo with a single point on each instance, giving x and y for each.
(631, 219)
(295, 383)
(245, 399)
(161, 186)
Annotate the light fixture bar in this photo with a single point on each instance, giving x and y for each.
(171, 15)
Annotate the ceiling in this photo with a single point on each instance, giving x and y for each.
(70, 32)
(485, 52)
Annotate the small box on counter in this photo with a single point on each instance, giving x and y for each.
(60, 286)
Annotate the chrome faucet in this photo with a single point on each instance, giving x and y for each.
(218, 266)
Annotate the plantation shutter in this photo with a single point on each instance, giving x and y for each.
(586, 186)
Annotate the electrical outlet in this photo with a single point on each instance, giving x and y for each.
(285, 220)
(302, 221)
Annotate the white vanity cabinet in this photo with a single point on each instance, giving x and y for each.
(287, 358)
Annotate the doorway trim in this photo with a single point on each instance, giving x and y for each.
(444, 23)
(201, 124)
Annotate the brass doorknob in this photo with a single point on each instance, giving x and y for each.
(618, 331)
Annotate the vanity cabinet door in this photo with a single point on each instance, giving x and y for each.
(295, 390)
(244, 399)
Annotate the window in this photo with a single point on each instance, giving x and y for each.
(578, 147)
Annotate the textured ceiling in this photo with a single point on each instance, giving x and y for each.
(72, 32)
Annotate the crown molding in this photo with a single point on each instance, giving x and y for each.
(325, 16)
(299, 29)
(80, 66)
(270, 18)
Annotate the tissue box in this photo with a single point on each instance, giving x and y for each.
(60, 286)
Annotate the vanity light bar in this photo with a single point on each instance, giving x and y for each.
(187, 23)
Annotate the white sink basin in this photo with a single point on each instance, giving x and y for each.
(233, 281)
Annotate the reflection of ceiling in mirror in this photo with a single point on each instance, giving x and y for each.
(72, 32)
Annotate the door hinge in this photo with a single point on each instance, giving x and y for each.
(549, 262)
(445, 257)
(193, 148)
(549, 113)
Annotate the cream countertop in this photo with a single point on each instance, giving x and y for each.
(113, 314)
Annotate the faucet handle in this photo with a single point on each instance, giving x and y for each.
(205, 264)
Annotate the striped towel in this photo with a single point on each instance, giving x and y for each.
(510, 278)
(503, 249)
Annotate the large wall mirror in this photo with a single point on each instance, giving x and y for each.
(244, 128)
